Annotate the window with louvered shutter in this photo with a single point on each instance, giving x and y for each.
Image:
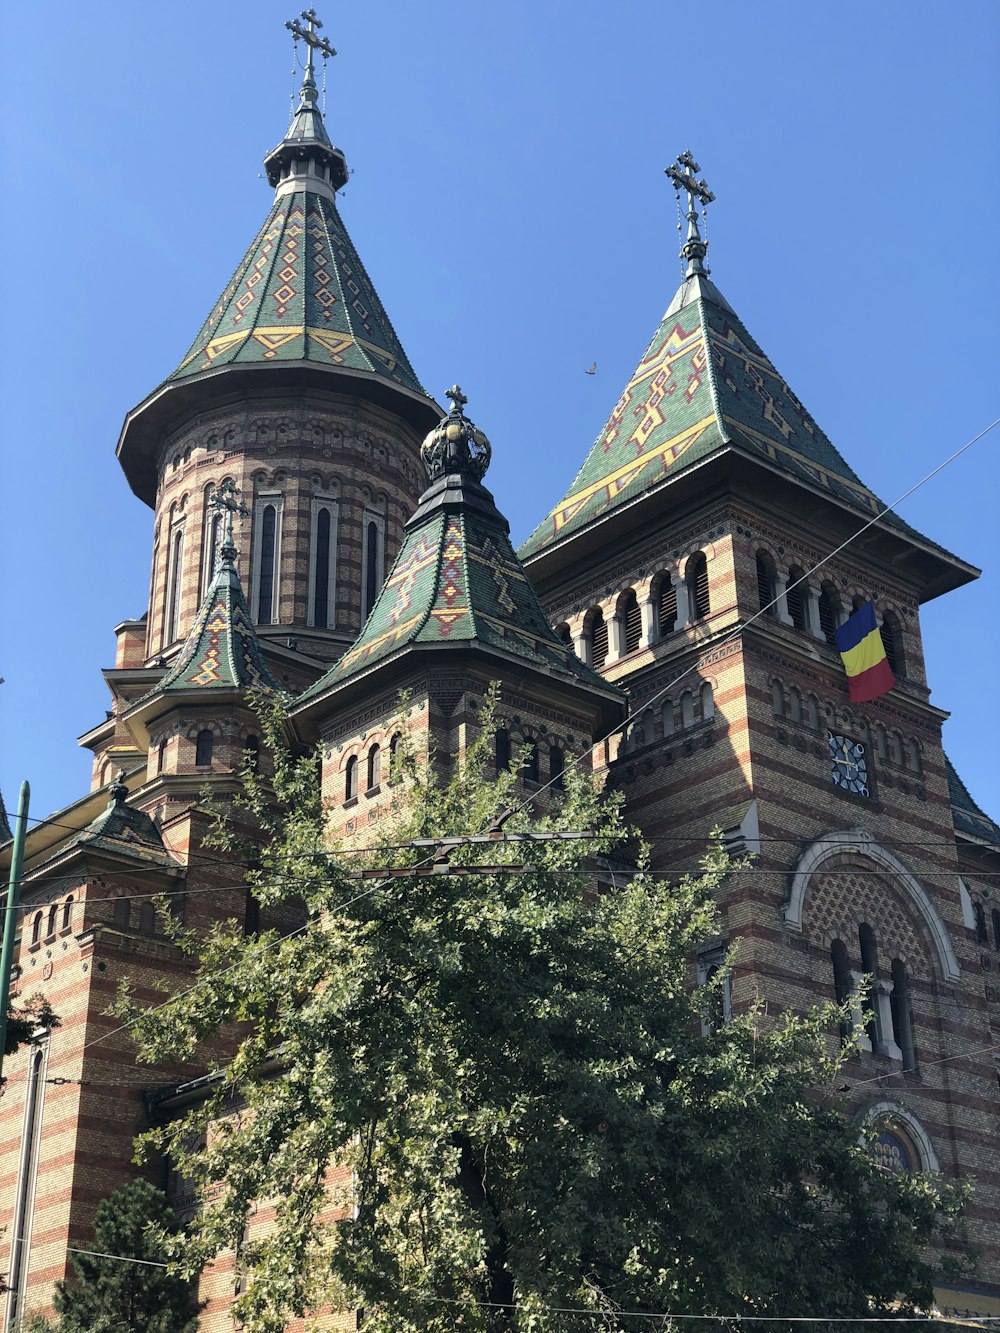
(796, 598)
(828, 613)
(765, 584)
(697, 580)
(599, 640)
(667, 606)
(633, 621)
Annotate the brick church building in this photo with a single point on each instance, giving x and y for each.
(691, 579)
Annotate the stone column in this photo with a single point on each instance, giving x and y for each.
(683, 605)
(882, 1004)
(812, 611)
(616, 637)
(647, 609)
(581, 646)
(781, 598)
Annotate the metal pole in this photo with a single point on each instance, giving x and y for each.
(10, 914)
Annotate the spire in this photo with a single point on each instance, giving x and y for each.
(305, 158)
(684, 174)
(458, 583)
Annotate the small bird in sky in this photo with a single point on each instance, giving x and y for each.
(592, 370)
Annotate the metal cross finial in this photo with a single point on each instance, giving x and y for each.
(308, 35)
(684, 174)
(226, 499)
(458, 399)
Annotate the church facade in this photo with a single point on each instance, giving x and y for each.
(671, 623)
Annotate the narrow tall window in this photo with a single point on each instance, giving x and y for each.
(902, 1019)
(174, 573)
(796, 597)
(531, 767)
(374, 767)
(891, 632)
(51, 924)
(842, 986)
(710, 973)
(869, 965)
(829, 612)
(557, 765)
(251, 753)
(697, 581)
(147, 919)
(322, 563)
(122, 913)
(502, 749)
(794, 703)
(996, 928)
(777, 698)
(373, 555)
(67, 913)
(707, 702)
(161, 756)
(203, 747)
(266, 564)
(598, 639)
(979, 913)
(394, 756)
(667, 715)
(36, 928)
(687, 709)
(632, 620)
(351, 778)
(213, 540)
(766, 584)
(666, 606)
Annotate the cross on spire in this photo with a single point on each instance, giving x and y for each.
(225, 499)
(458, 399)
(308, 35)
(684, 174)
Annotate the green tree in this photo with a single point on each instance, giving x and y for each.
(516, 1072)
(23, 1020)
(109, 1296)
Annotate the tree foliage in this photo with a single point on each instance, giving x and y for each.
(109, 1296)
(516, 1077)
(23, 1020)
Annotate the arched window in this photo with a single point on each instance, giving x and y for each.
(373, 555)
(67, 913)
(122, 913)
(707, 701)
(147, 919)
(666, 606)
(266, 564)
(842, 984)
(374, 767)
(911, 755)
(667, 714)
(161, 756)
(687, 709)
(892, 641)
(563, 632)
(881, 748)
(531, 766)
(902, 1019)
(251, 753)
(810, 710)
(175, 570)
(796, 597)
(777, 698)
(794, 703)
(829, 612)
(557, 766)
(213, 540)
(322, 559)
(394, 756)
(865, 734)
(203, 747)
(697, 583)
(637, 732)
(766, 585)
(895, 747)
(36, 928)
(979, 914)
(869, 965)
(597, 630)
(996, 928)
(50, 926)
(857, 602)
(351, 778)
(631, 620)
(502, 749)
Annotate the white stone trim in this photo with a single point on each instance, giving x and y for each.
(261, 501)
(330, 503)
(863, 843)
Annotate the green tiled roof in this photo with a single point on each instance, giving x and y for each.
(966, 814)
(301, 293)
(221, 651)
(458, 581)
(703, 385)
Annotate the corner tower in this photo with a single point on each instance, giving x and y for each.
(298, 391)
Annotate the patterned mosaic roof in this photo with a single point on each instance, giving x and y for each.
(221, 651)
(702, 385)
(301, 293)
(457, 580)
(966, 814)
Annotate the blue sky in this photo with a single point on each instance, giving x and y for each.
(510, 204)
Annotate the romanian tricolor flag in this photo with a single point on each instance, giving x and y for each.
(860, 645)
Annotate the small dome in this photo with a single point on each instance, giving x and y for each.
(456, 444)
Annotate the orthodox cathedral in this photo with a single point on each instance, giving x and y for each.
(323, 527)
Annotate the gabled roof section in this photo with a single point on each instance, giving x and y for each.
(703, 385)
(457, 579)
(966, 814)
(299, 294)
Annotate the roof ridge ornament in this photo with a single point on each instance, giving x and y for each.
(456, 444)
(684, 174)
